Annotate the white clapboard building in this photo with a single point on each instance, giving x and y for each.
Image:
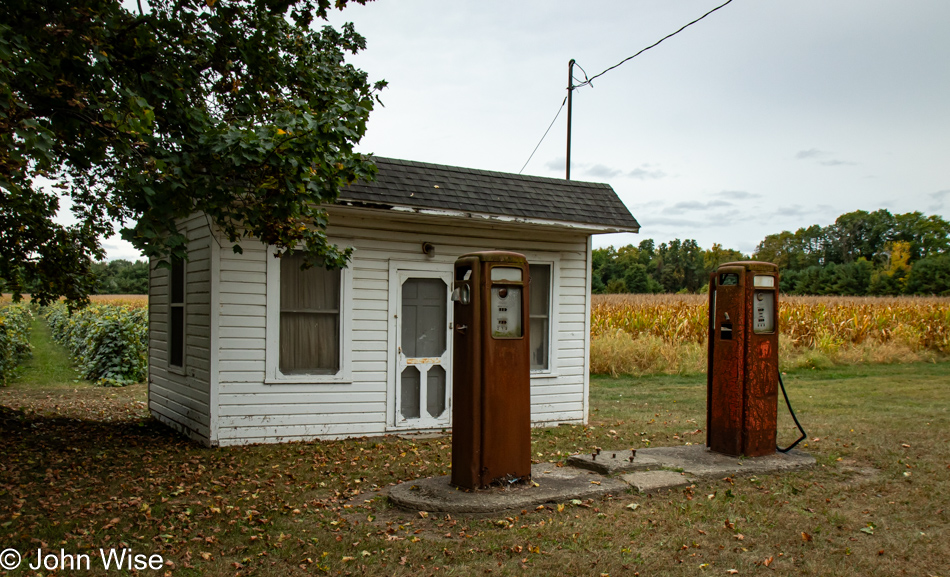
(247, 348)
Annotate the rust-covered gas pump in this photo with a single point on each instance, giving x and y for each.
(742, 375)
(491, 410)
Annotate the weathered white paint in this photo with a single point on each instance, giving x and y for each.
(231, 393)
(181, 397)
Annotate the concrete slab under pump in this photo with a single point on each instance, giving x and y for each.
(554, 485)
(694, 460)
(653, 470)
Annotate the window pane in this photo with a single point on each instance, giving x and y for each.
(540, 303)
(314, 289)
(539, 344)
(176, 340)
(309, 343)
(178, 280)
(309, 318)
(540, 289)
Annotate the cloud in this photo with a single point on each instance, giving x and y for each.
(555, 163)
(793, 211)
(706, 220)
(737, 194)
(938, 197)
(601, 171)
(815, 154)
(694, 205)
(811, 153)
(677, 222)
(644, 173)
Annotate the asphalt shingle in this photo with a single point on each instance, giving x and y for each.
(434, 186)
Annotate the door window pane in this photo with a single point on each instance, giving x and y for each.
(423, 317)
(409, 393)
(435, 391)
(539, 299)
(309, 318)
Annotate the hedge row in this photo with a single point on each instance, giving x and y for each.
(15, 323)
(108, 342)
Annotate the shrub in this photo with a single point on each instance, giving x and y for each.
(109, 342)
(15, 323)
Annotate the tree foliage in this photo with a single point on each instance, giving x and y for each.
(677, 266)
(861, 253)
(121, 277)
(240, 109)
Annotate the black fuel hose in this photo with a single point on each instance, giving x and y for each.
(794, 418)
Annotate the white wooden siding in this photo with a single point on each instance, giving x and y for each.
(251, 411)
(181, 397)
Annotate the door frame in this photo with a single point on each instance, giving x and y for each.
(398, 271)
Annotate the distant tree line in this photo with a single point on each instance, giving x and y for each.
(861, 253)
(120, 277)
(115, 277)
(679, 266)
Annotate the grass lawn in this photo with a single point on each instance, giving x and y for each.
(49, 384)
(876, 504)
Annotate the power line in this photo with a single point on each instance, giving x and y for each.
(591, 79)
(545, 134)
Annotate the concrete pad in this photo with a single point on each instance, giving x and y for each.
(614, 462)
(655, 481)
(555, 484)
(694, 460)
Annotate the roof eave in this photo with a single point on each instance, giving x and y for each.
(590, 228)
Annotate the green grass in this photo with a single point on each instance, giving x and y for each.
(876, 504)
(50, 366)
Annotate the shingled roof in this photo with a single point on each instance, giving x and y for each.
(420, 185)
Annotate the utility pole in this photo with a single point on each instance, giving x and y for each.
(570, 91)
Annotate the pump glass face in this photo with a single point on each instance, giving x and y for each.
(763, 312)
(505, 311)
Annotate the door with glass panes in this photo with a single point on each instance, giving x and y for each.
(423, 383)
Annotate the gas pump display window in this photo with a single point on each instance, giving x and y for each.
(502, 273)
(728, 279)
(505, 310)
(764, 312)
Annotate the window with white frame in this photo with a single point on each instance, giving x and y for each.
(176, 313)
(539, 298)
(310, 318)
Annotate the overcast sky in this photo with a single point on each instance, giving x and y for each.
(768, 115)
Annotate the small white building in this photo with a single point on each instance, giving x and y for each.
(247, 348)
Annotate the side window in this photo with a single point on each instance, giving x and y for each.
(309, 318)
(176, 313)
(540, 315)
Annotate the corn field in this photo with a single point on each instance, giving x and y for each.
(805, 322)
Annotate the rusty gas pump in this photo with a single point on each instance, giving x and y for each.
(742, 376)
(491, 410)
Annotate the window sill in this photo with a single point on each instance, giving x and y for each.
(547, 375)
